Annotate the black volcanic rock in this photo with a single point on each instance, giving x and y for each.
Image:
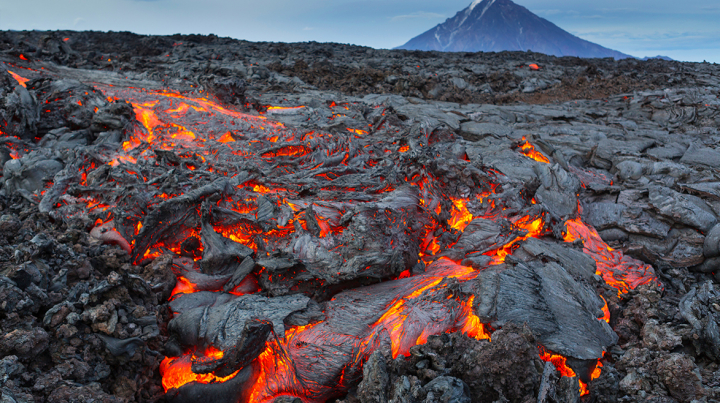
(81, 319)
(498, 25)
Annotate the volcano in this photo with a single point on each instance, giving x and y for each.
(500, 25)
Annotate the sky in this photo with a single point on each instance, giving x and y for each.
(684, 30)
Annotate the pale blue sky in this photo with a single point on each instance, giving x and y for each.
(686, 30)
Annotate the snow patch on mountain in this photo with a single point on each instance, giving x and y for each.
(474, 4)
(486, 8)
(469, 10)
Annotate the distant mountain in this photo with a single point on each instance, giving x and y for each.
(497, 25)
(657, 57)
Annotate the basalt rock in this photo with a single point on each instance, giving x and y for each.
(520, 294)
(698, 308)
(321, 208)
(682, 208)
(224, 326)
(557, 191)
(711, 246)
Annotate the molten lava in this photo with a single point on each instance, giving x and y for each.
(621, 272)
(561, 366)
(183, 286)
(471, 324)
(558, 361)
(173, 131)
(461, 216)
(19, 79)
(177, 371)
(529, 150)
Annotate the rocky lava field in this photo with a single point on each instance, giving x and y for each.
(192, 217)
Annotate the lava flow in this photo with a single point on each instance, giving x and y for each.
(372, 226)
(618, 270)
(21, 80)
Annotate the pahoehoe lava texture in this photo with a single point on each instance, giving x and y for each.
(266, 212)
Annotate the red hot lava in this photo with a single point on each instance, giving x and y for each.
(424, 304)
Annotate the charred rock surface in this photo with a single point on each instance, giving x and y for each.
(468, 370)
(560, 311)
(323, 221)
(79, 322)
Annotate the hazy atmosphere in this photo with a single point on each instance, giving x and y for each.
(685, 31)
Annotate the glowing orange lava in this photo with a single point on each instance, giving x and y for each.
(226, 138)
(288, 151)
(471, 324)
(358, 131)
(461, 217)
(176, 372)
(19, 79)
(529, 150)
(534, 229)
(558, 361)
(606, 311)
(165, 124)
(284, 108)
(183, 286)
(148, 119)
(561, 366)
(621, 272)
(122, 159)
(275, 369)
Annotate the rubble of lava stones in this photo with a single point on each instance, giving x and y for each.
(192, 217)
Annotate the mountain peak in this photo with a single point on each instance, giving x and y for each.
(474, 4)
(498, 25)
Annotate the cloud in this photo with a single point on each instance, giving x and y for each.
(550, 12)
(417, 14)
(612, 10)
(653, 41)
(78, 21)
(591, 13)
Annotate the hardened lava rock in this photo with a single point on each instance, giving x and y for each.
(456, 368)
(631, 149)
(228, 90)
